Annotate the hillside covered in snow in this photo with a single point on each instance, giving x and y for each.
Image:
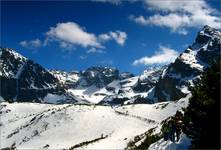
(38, 126)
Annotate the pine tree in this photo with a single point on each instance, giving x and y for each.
(202, 116)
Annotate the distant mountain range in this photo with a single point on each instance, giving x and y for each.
(23, 80)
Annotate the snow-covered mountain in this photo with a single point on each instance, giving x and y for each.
(105, 85)
(187, 68)
(24, 80)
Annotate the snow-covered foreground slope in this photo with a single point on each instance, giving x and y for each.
(183, 144)
(31, 125)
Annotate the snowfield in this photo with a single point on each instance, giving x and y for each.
(183, 144)
(38, 126)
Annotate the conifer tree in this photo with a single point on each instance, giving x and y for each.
(202, 116)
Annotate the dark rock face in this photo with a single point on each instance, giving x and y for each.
(143, 86)
(189, 65)
(10, 62)
(8, 88)
(23, 80)
(67, 79)
(118, 100)
(202, 38)
(139, 100)
(112, 100)
(148, 79)
(99, 76)
(125, 75)
(35, 82)
(166, 88)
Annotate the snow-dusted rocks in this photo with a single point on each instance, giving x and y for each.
(25, 80)
(99, 76)
(184, 143)
(105, 85)
(189, 65)
(11, 63)
(68, 79)
(126, 75)
(149, 78)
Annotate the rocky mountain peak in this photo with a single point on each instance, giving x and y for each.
(24, 80)
(210, 31)
(125, 75)
(206, 34)
(187, 68)
(10, 62)
(99, 76)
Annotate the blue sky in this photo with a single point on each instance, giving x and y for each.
(128, 35)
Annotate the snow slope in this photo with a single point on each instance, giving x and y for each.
(94, 95)
(182, 144)
(37, 126)
(91, 94)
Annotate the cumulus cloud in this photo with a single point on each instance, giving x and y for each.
(72, 33)
(104, 37)
(163, 56)
(175, 22)
(66, 45)
(179, 15)
(68, 35)
(83, 57)
(33, 44)
(115, 2)
(118, 36)
(94, 50)
(179, 5)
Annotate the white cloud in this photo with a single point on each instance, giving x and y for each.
(66, 45)
(118, 36)
(115, 2)
(104, 37)
(83, 57)
(174, 21)
(94, 50)
(180, 15)
(178, 5)
(72, 33)
(140, 19)
(69, 35)
(33, 44)
(163, 56)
